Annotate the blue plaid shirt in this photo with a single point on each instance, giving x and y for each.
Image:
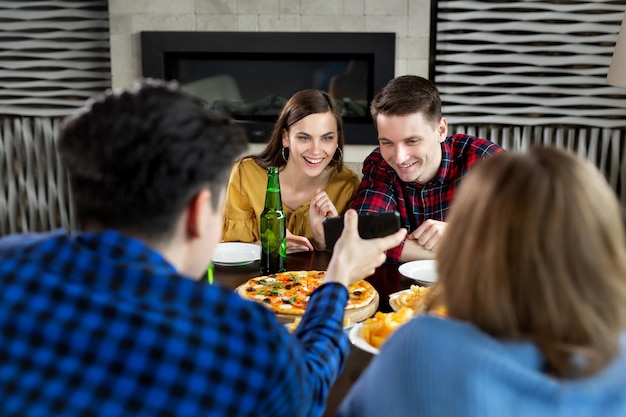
(98, 324)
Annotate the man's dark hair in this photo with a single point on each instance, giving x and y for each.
(136, 157)
(405, 95)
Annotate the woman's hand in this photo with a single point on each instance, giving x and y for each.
(321, 208)
(297, 243)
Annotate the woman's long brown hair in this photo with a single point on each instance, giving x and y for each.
(535, 250)
(300, 105)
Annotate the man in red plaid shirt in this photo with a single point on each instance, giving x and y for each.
(417, 167)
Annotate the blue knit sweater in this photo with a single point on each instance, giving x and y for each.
(436, 367)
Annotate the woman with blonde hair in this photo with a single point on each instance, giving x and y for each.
(533, 273)
(306, 145)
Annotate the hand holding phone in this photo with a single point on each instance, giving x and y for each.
(370, 226)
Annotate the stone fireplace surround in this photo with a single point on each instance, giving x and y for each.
(408, 19)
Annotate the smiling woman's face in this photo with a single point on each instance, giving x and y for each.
(411, 145)
(312, 142)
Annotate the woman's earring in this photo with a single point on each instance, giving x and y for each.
(340, 156)
(282, 152)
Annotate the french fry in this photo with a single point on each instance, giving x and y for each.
(291, 327)
(376, 330)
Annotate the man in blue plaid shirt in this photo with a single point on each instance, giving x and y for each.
(110, 321)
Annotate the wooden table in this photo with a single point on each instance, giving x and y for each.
(386, 280)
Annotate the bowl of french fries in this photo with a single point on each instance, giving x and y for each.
(376, 330)
(371, 334)
(417, 298)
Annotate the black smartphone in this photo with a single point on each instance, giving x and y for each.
(370, 226)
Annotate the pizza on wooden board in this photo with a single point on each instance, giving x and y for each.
(289, 292)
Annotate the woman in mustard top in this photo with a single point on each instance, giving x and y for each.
(306, 145)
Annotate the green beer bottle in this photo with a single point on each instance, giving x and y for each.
(273, 228)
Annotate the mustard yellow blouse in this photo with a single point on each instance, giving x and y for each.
(245, 199)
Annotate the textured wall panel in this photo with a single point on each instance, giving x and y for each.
(53, 55)
(603, 147)
(34, 195)
(529, 62)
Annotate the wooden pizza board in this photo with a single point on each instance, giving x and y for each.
(354, 314)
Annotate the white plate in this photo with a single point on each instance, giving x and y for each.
(391, 304)
(236, 253)
(421, 271)
(358, 341)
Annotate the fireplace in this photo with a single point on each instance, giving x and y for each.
(250, 75)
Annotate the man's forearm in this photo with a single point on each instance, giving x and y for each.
(413, 251)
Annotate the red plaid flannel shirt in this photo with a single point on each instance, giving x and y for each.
(382, 190)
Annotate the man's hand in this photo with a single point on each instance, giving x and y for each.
(321, 208)
(428, 234)
(355, 258)
(422, 243)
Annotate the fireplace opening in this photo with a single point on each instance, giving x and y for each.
(250, 75)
